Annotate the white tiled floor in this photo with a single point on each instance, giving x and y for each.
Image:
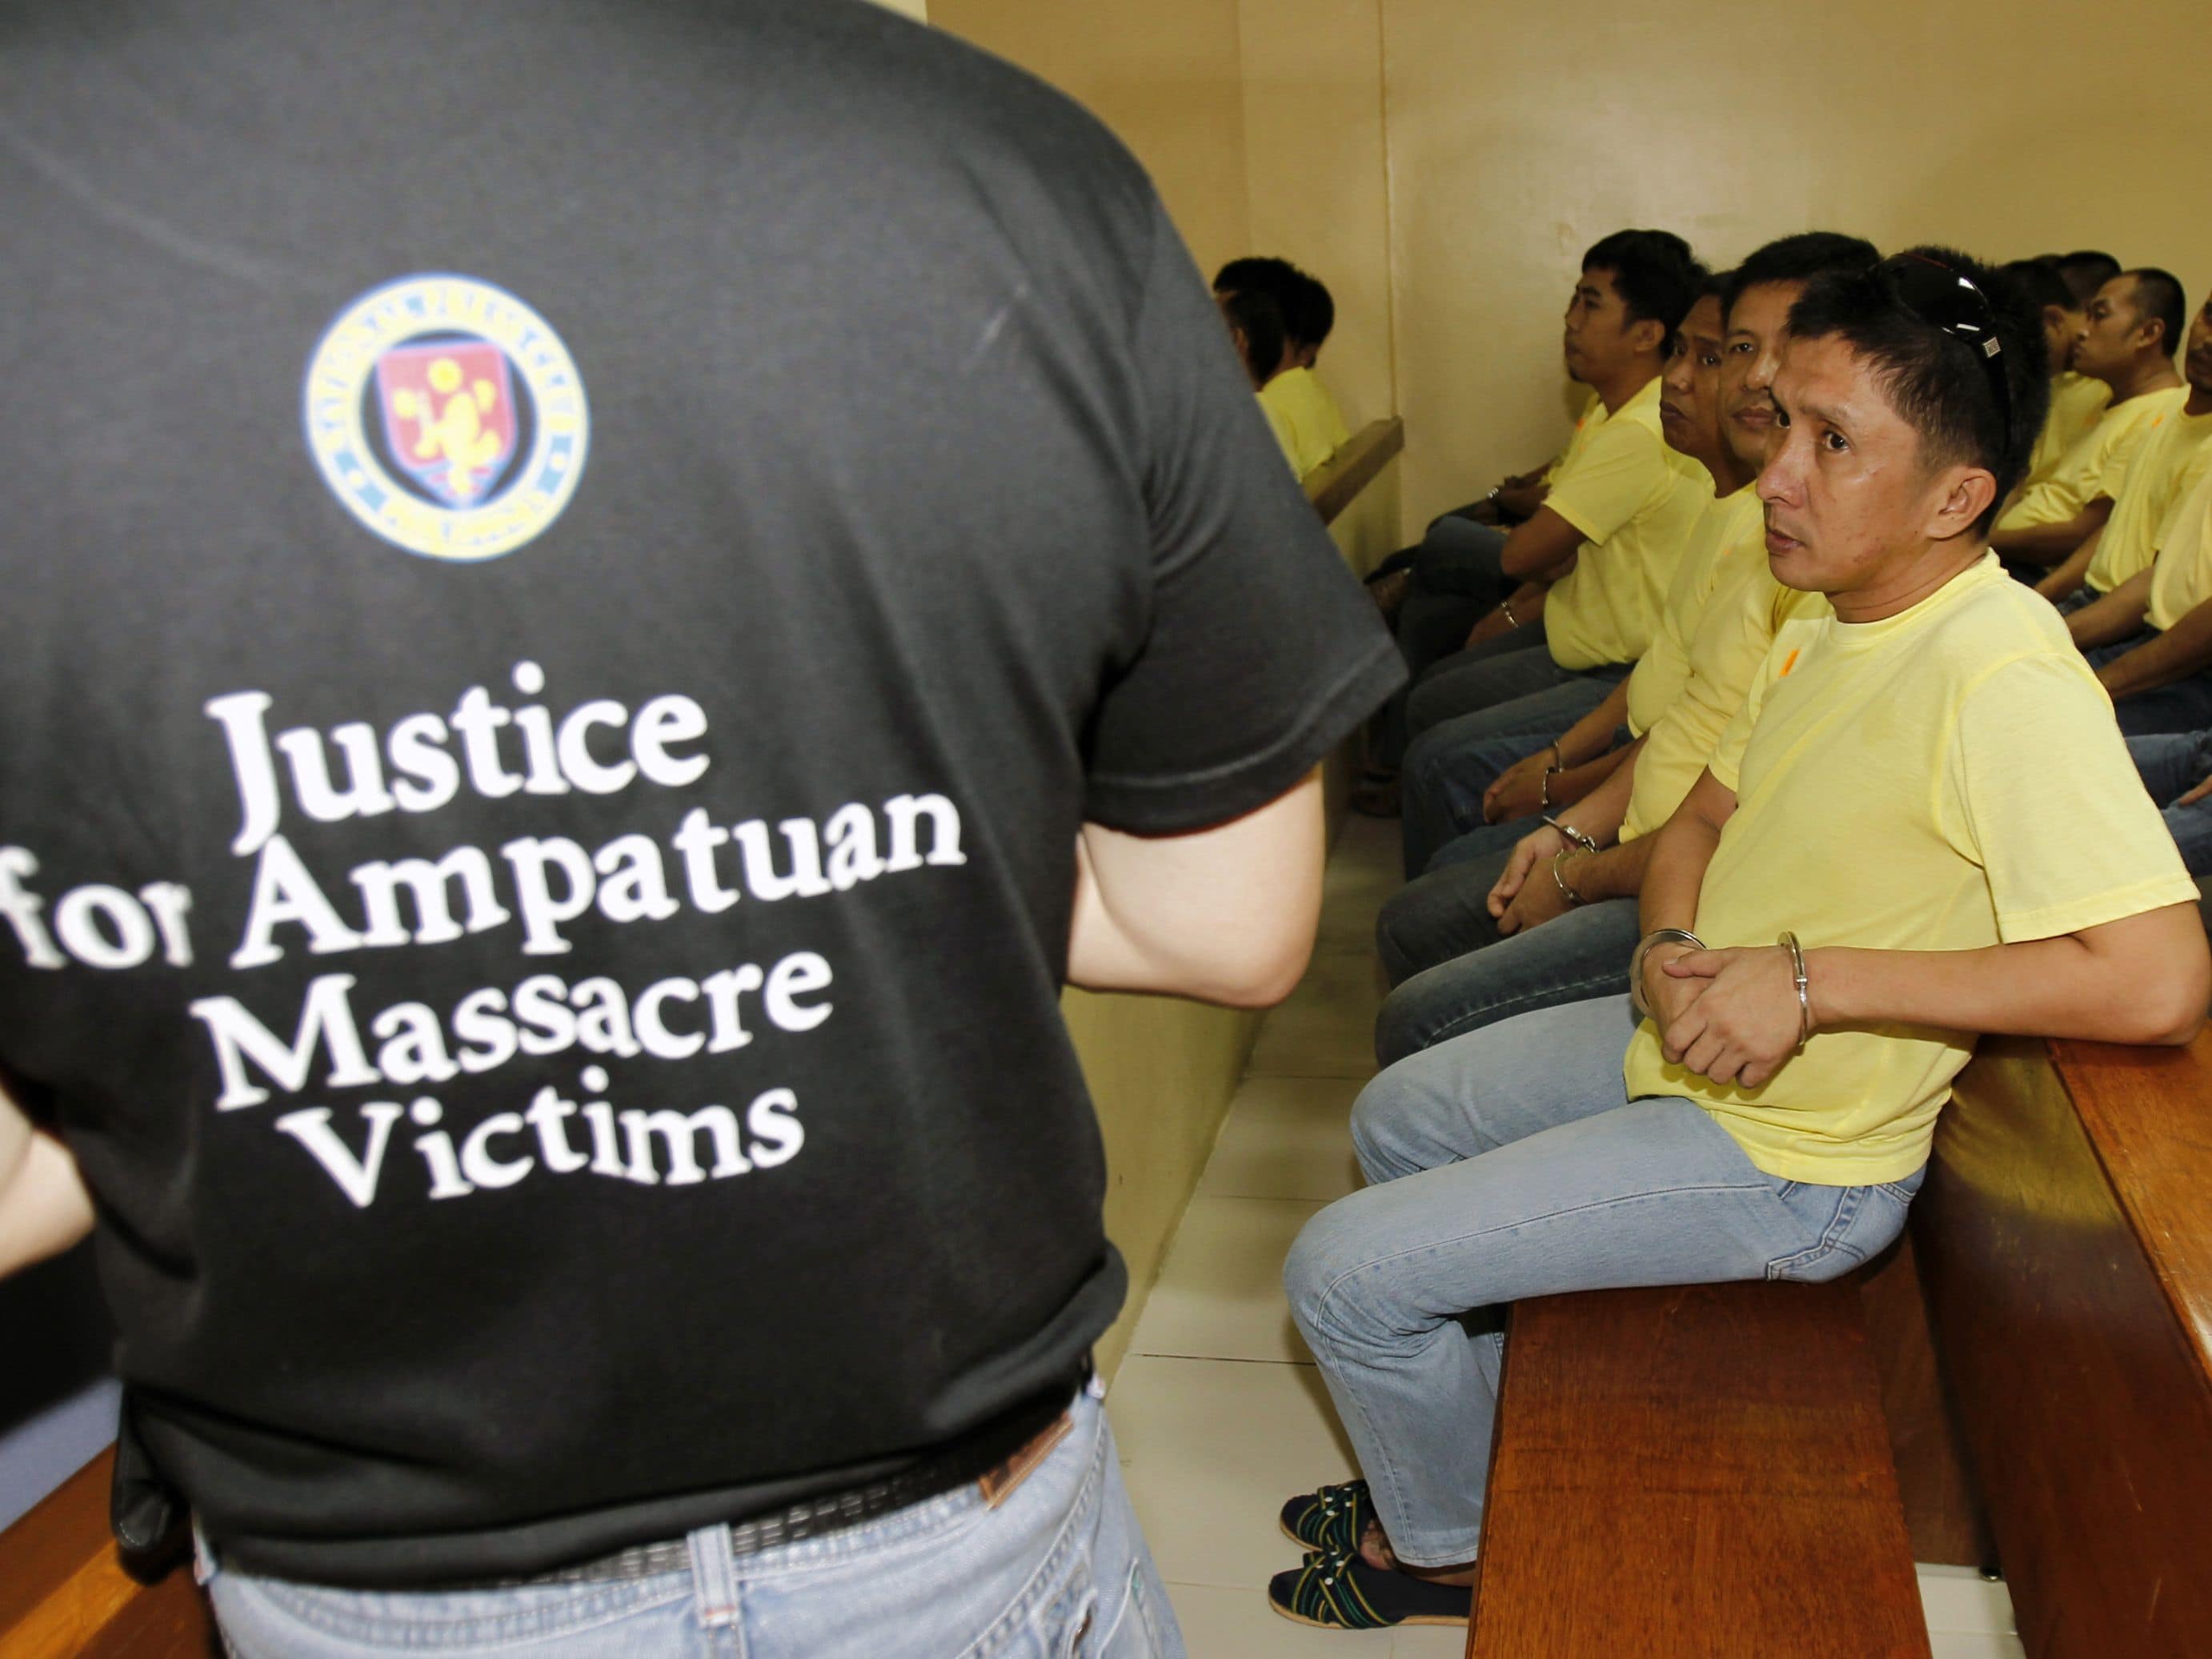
(1220, 1414)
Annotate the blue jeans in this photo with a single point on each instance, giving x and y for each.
(1510, 1163)
(1570, 958)
(1060, 1569)
(1447, 766)
(2172, 765)
(2185, 706)
(1442, 785)
(1497, 671)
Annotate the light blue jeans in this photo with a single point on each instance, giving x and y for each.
(1508, 1163)
(1059, 1571)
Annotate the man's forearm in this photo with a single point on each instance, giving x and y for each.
(2061, 583)
(2182, 650)
(1592, 735)
(2113, 617)
(1599, 814)
(2147, 985)
(2048, 544)
(1579, 782)
(1617, 872)
(1674, 872)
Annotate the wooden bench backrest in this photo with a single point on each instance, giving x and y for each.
(2065, 1240)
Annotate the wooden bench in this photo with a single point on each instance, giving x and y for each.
(2065, 1239)
(64, 1592)
(1696, 1470)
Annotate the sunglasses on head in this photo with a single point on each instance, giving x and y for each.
(1939, 297)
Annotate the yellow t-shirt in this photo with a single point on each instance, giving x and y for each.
(1731, 642)
(1720, 541)
(2181, 580)
(1948, 779)
(1635, 500)
(1306, 420)
(2076, 401)
(2165, 464)
(2082, 476)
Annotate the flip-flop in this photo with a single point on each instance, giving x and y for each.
(1342, 1592)
(1333, 1518)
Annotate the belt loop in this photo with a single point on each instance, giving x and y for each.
(713, 1576)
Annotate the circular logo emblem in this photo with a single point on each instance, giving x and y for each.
(448, 416)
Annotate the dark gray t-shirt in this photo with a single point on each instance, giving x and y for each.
(570, 574)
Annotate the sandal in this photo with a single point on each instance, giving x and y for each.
(1332, 1519)
(1342, 1592)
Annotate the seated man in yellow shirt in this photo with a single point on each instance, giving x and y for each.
(1772, 1115)
(2077, 399)
(1617, 507)
(1304, 417)
(1595, 559)
(2126, 340)
(2161, 681)
(2106, 586)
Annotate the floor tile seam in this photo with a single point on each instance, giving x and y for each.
(1222, 1358)
(1203, 1360)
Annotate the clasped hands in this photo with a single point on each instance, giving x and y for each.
(1518, 903)
(1729, 1015)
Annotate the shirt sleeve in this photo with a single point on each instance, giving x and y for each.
(1727, 762)
(1261, 651)
(2040, 792)
(1622, 472)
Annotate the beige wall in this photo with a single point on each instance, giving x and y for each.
(1518, 134)
(1166, 75)
(1315, 167)
(1260, 120)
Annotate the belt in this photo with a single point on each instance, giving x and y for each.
(932, 1477)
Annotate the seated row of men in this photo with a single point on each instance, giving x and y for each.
(1825, 793)
(2114, 518)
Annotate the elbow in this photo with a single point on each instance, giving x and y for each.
(1263, 979)
(2169, 1015)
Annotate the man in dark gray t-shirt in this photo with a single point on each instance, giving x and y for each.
(603, 601)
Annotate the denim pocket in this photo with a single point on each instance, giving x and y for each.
(1841, 1227)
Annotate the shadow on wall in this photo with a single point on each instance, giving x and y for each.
(57, 1401)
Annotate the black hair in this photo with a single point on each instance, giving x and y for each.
(2086, 271)
(2038, 283)
(1654, 273)
(1800, 259)
(1255, 313)
(1308, 313)
(1315, 314)
(2160, 298)
(1937, 381)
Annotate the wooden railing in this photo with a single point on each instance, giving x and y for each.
(1333, 485)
